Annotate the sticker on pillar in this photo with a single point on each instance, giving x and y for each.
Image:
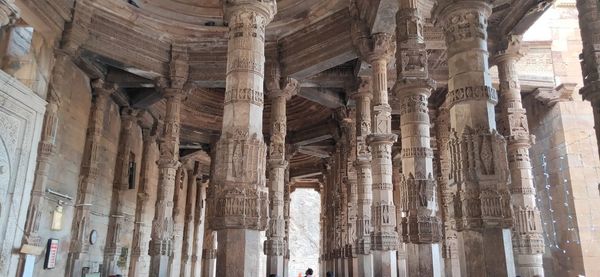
(51, 253)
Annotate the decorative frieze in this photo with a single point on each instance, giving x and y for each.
(464, 94)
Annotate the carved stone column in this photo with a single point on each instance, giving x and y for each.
(364, 179)
(286, 214)
(274, 246)
(238, 201)
(376, 49)
(420, 226)
(589, 25)
(120, 223)
(450, 244)
(161, 244)
(78, 252)
(528, 240)
(190, 224)
(45, 157)
(209, 254)
(199, 221)
(140, 261)
(478, 152)
(349, 127)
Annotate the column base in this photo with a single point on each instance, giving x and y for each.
(365, 265)
(385, 263)
(159, 266)
(209, 267)
(238, 253)
(486, 253)
(275, 265)
(423, 260)
(530, 265)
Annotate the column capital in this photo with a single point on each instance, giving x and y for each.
(101, 88)
(462, 19)
(265, 8)
(179, 66)
(287, 88)
(372, 47)
(507, 48)
(364, 88)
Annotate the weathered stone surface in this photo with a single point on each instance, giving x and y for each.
(126, 160)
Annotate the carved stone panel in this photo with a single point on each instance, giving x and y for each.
(21, 116)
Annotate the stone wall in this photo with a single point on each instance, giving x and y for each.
(75, 102)
(567, 172)
(565, 162)
(21, 116)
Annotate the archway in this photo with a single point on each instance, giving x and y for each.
(305, 231)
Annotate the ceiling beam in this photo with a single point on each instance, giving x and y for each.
(318, 47)
(143, 98)
(315, 151)
(311, 135)
(325, 97)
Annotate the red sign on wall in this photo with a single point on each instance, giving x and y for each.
(51, 253)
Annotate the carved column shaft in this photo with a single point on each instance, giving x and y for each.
(78, 252)
(274, 246)
(376, 49)
(449, 246)
(238, 201)
(46, 154)
(478, 152)
(190, 224)
(199, 229)
(286, 213)
(528, 240)
(364, 178)
(420, 226)
(140, 261)
(161, 245)
(209, 254)
(120, 223)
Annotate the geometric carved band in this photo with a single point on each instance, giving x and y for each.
(244, 95)
(472, 93)
(414, 152)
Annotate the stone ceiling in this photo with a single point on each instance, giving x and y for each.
(130, 43)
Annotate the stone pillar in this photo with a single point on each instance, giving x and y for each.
(478, 152)
(161, 244)
(396, 179)
(420, 227)
(274, 246)
(450, 244)
(190, 224)
(209, 254)
(140, 262)
(238, 201)
(46, 155)
(286, 214)
(376, 49)
(199, 221)
(364, 179)
(120, 223)
(589, 25)
(182, 181)
(349, 127)
(79, 249)
(528, 240)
